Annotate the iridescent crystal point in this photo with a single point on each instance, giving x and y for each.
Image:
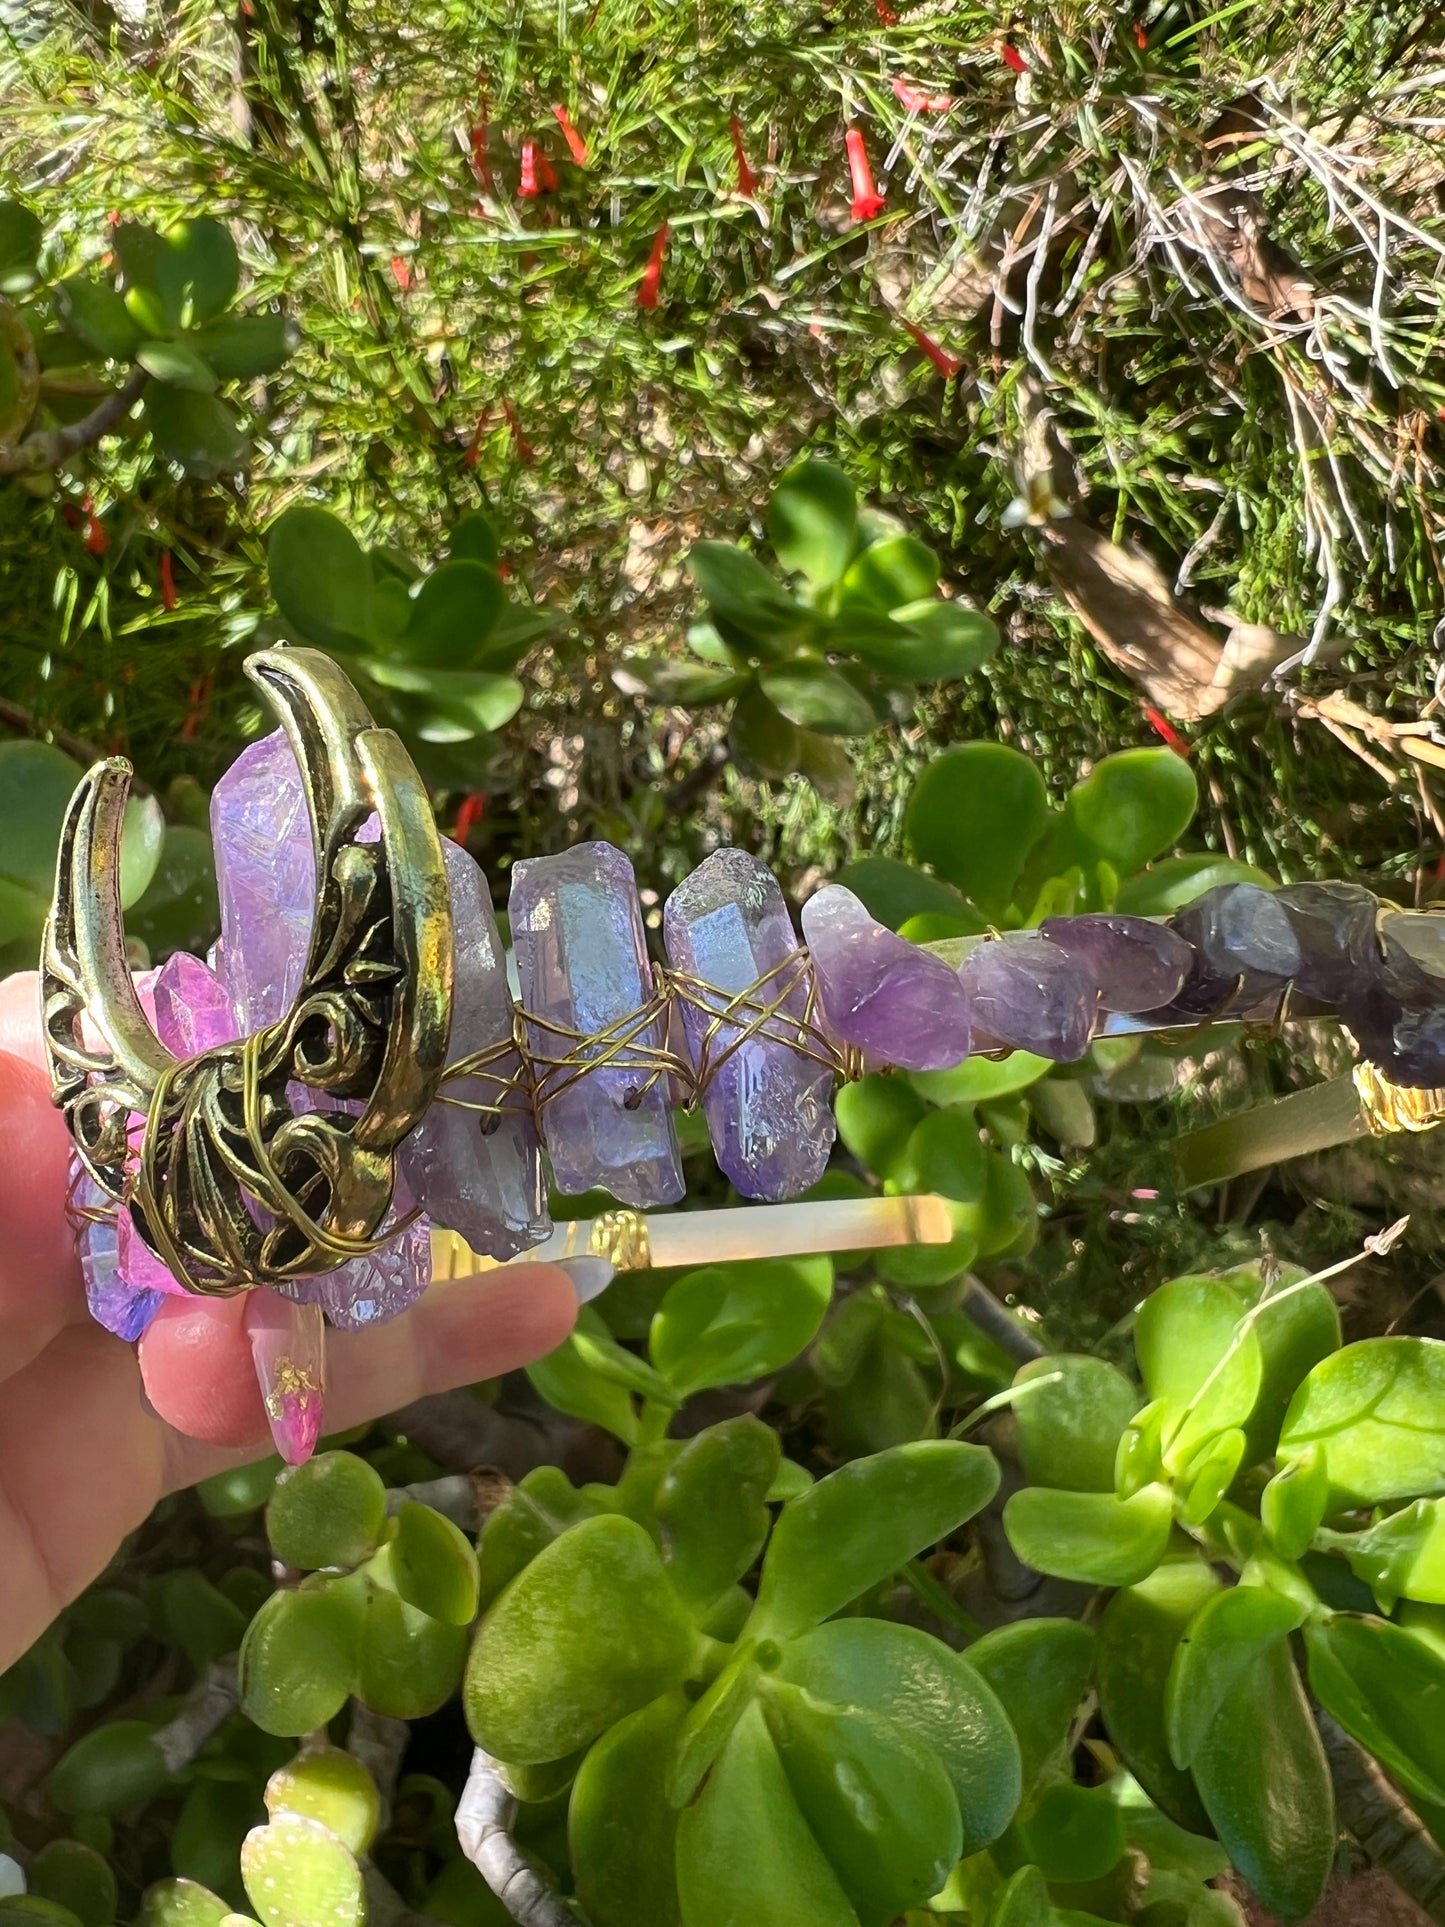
(768, 1103)
(880, 992)
(266, 872)
(582, 963)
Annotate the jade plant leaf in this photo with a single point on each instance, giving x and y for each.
(1222, 1641)
(1378, 1410)
(813, 522)
(298, 1873)
(1387, 1689)
(1068, 1433)
(1091, 1537)
(621, 1826)
(974, 815)
(1039, 1669)
(329, 1512)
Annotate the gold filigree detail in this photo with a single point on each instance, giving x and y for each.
(621, 1237)
(1388, 1107)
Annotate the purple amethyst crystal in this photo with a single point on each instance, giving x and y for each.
(1334, 924)
(1244, 947)
(881, 992)
(582, 962)
(266, 870)
(192, 1006)
(1028, 994)
(121, 1307)
(1396, 1012)
(769, 1106)
(481, 1174)
(1137, 964)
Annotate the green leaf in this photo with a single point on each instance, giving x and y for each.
(875, 1798)
(297, 1873)
(301, 1657)
(20, 238)
(1293, 1504)
(1223, 1641)
(433, 1565)
(573, 1383)
(1263, 1778)
(979, 1081)
(764, 742)
(182, 1903)
(894, 892)
(829, 767)
(537, 1510)
(1195, 1355)
(1378, 1410)
(200, 432)
(1179, 880)
(861, 1524)
(324, 1783)
(745, 1852)
(452, 615)
(974, 815)
(1139, 1634)
(691, 684)
(1296, 1329)
(1068, 1434)
(814, 696)
(77, 1877)
(731, 1324)
(740, 592)
(1402, 1556)
(448, 705)
(1387, 1689)
(115, 1768)
(586, 1633)
(813, 522)
(1207, 1476)
(178, 363)
(1039, 1669)
(940, 1697)
(320, 577)
(329, 1512)
(923, 642)
(197, 1617)
(179, 908)
(95, 313)
(711, 1506)
(138, 249)
(411, 1663)
(475, 539)
(244, 347)
(1074, 1834)
(876, 1119)
(196, 272)
(621, 1826)
(1091, 1537)
(889, 575)
(1131, 807)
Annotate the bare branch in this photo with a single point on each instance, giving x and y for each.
(211, 1701)
(1385, 1825)
(49, 447)
(484, 1815)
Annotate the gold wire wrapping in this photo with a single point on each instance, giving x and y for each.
(621, 1237)
(1388, 1107)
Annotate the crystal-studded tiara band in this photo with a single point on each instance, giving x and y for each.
(351, 1066)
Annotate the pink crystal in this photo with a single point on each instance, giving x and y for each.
(769, 1106)
(288, 1349)
(192, 1007)
(582, 961)
(881, 992)
(137, 1264)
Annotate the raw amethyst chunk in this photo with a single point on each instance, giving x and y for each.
(582, 962)
(1397, 1015)
(1138, 965)
(192, 1007)
(122, 1308)
(266, 870)
(881, 992)
(480, 1174)
(1244, 949)
(1028, 994)
(1334, 924)
(769, 1107)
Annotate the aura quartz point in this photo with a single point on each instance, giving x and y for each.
(1334, 924)
(484, 1183)
(881, 992)
(769, 1107)
(1137, 964)
(582, 964)
(1028, 994)
(120, 1306)
(1244, 948)
(287, 1347)
(266, 870)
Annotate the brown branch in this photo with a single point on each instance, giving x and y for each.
(49, 447)
(1386, 1827)
(485, 1814)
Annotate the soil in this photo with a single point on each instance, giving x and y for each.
(1363, 1900)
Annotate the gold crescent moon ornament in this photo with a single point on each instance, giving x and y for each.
(271, 1158)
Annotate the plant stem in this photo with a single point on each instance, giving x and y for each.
(49, 447)
(485, 1814)
(1386, 1827)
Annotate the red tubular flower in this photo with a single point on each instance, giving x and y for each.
(886, 16)
(1164, 729)
(168, 583)
(867, 201)
(196, 705)
(546, 173)
(401, 272)
(473, 809)
(1014, 58)
(524, 448)
(947, 365)
(747, 179)
(1141, 36)
(576, 145)
(920, 103)
(474, 445)
(649, 285)
(96, 539)
(528, 190)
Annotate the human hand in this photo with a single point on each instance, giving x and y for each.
(82, 1461)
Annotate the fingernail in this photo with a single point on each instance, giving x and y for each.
(288, 1350)
(590, 1276)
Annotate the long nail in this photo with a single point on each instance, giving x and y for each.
(590, 1276)
(288, 1349)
